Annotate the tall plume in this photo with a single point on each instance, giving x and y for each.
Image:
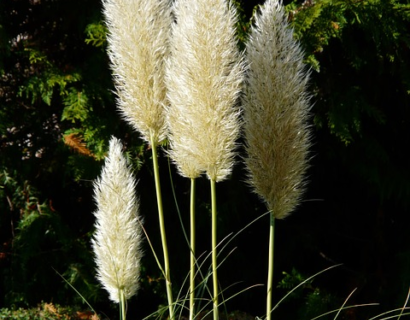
(276, 110)
(138, 39)
(204, 77)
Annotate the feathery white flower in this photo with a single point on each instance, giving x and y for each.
(276, 109)
(204, 76)
(118, 236)
(138, 35)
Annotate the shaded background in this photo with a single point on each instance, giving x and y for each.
(57, 112)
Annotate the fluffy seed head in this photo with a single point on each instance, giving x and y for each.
(138, 35)
(204, 76)
(276, 109)
(118, 235)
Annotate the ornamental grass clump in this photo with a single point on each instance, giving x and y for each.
(117, 240)
(138, 44)
(204, 77)
(276, 111)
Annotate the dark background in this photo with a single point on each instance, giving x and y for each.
(57, 112)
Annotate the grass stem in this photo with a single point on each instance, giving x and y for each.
(162, 229)
(214, 253)
(122, 309)
(270, 267)
(192, 245)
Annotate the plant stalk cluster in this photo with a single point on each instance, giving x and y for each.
(179, 75)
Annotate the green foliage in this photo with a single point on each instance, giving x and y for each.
(42, 243)
(96, 34)
(43, 86)
(311, 300)
(25, 314)
(243, 24)
(21, 197)
(51, 84)
(75, 106)
(44, 311)
(315, 23)
(358, 51)
(292, 279)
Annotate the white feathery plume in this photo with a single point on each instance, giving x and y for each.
(204, 76)
(276, 110)
(117, 241)
(138, 43)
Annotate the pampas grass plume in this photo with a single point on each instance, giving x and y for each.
(204, 76)
(276, 109)
(138, 32)
(118, 235)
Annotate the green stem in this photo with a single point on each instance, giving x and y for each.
(122, 309)
(192, 243)
(162, 229)
(270, 267)
(214, 253)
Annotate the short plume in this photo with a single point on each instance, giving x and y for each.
(118, 236)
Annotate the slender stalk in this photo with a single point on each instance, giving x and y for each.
(192, 243)
(270, 267)
(122, 309)
(162, 229)
(214, 253)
